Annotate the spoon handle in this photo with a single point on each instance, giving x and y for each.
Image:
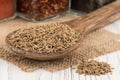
(97, 19)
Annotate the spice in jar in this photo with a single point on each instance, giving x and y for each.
(44, 39)
(41, 9)
(88, 5)
(7, 9)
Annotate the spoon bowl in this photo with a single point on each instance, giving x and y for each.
(41, 56)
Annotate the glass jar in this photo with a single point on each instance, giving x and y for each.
(36, 10)
(88, 5)
(7, 10)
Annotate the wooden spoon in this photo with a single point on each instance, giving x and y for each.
(83, 25)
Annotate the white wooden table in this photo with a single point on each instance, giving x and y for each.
(9, 71)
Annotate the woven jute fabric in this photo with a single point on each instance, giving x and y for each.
(95, 44)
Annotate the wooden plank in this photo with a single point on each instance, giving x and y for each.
(3, 70)
(17, 73)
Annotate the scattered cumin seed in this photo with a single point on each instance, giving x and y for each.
(93, 68)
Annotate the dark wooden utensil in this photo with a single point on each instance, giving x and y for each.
(83, 25)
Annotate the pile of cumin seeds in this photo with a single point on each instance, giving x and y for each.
(44, 38)
(93, 68)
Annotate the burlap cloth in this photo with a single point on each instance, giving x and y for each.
(97, 43)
